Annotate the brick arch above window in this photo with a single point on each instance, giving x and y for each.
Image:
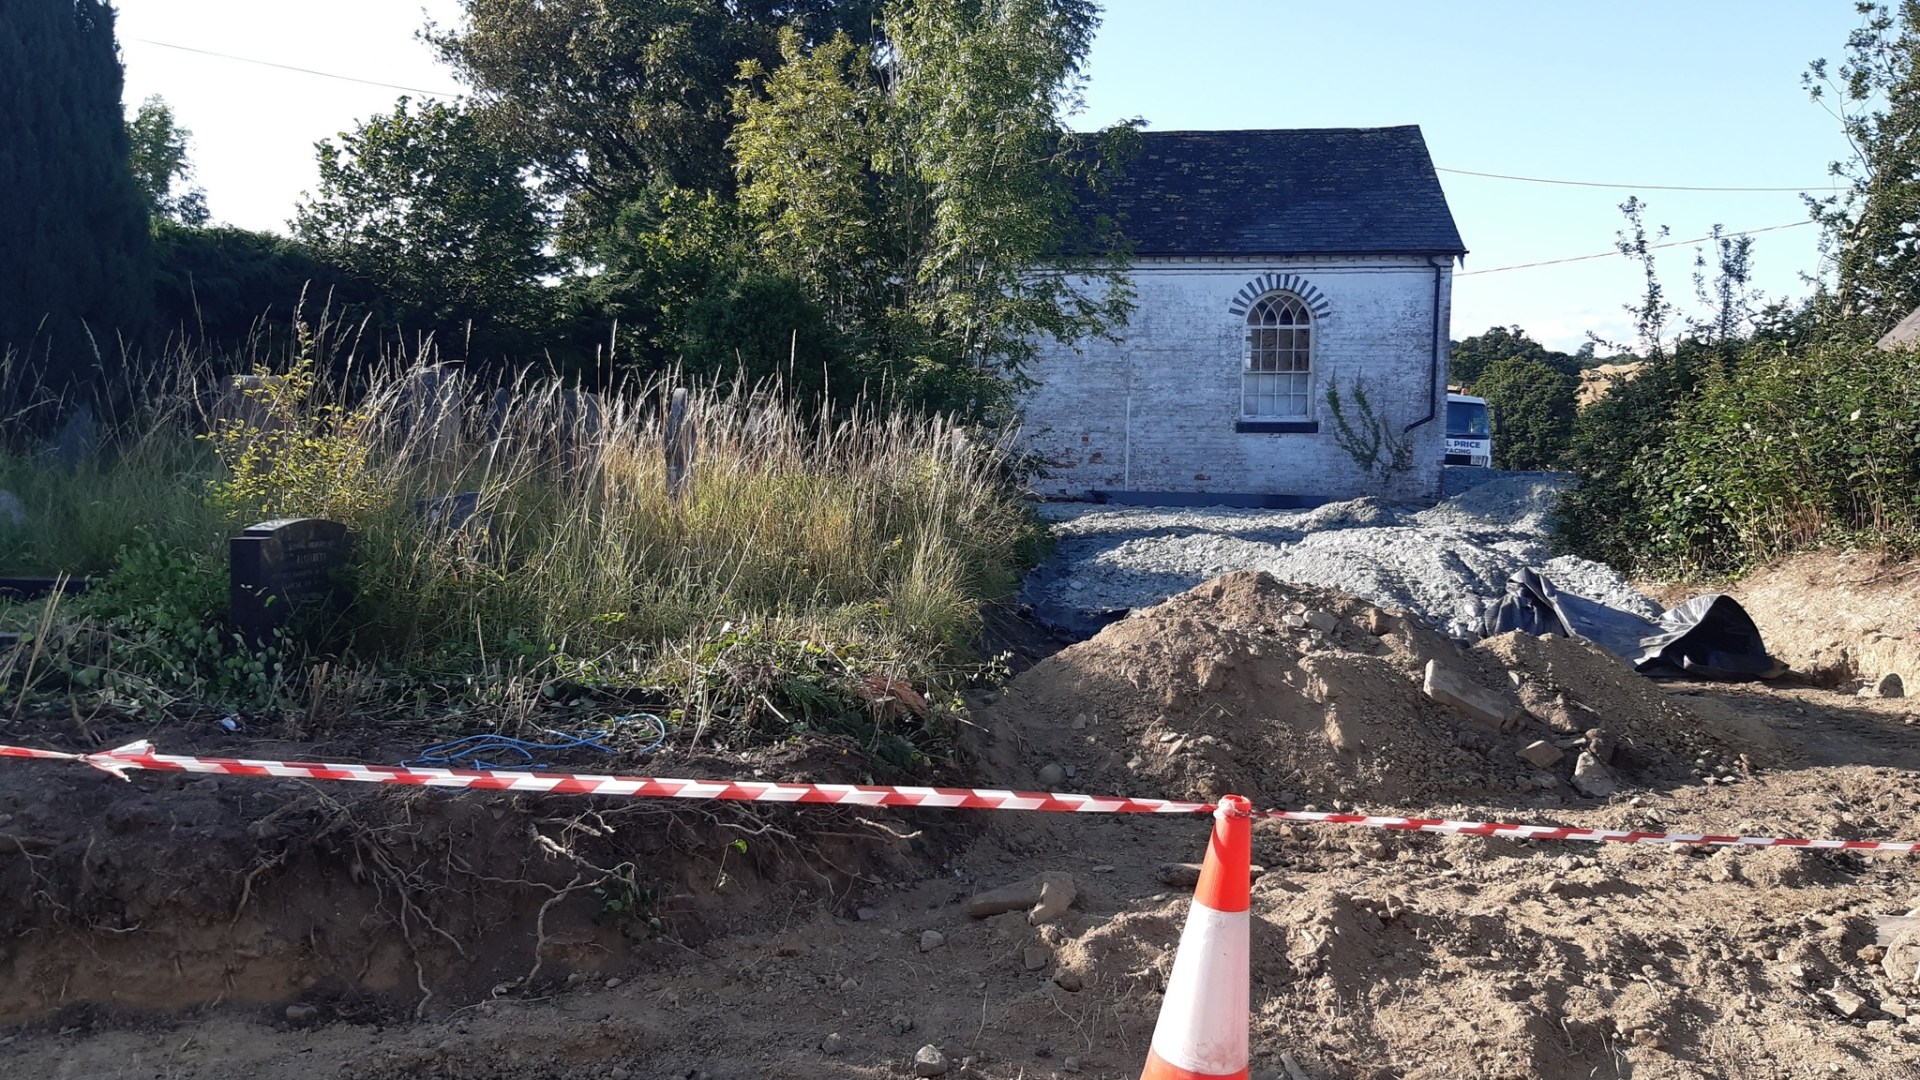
(1272, 283)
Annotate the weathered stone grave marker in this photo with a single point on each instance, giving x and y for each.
(679, 448)
(429, 409)
(452, 513)
(78, 440)
(277, 568)
(242, 399)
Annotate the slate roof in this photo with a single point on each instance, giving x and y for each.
(1904, 335)
(1315, 191)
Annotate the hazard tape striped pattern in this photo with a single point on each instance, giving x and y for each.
(141, 756)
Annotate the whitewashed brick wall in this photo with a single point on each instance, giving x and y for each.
(1177, 372)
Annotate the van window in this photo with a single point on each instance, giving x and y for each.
(1467, 420)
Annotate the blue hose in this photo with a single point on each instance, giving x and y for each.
(487, 751)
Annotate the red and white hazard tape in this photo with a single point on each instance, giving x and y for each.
(140, 755)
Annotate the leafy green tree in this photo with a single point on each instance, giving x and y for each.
(1536, 403)
(612, 99)
(925, 191)
(1868, 226)
(75, 279)
(684, 287)
(1469, 358)
(425, 205)
(1726, 299)
(158, 155)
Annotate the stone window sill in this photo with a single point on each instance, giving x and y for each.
(1277, 427)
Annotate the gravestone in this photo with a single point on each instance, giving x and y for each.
(451, 513)
(278, 568)
(428, 407)
(78, 439)
(243, 400)
(578, 422)
(460, 520)
(679, 448)
(40, 586)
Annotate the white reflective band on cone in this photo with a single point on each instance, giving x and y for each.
(1203, 1021)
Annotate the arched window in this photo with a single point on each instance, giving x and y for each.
(1277, 382)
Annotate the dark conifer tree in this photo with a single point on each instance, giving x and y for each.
(75, 279)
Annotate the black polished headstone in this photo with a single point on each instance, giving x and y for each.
(280, 567)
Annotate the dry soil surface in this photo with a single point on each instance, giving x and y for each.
(1375, 955)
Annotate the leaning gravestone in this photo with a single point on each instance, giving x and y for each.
(679, 445)
(78, 439)
(277, 568)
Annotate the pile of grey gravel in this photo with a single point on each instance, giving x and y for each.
(1446, 564)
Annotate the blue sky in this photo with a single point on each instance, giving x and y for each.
(1686, 92)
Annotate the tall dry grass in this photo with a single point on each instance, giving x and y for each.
(847, 543)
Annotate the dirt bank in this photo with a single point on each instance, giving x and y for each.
(1839, 617)
(172, 892)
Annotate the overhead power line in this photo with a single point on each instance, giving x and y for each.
(1616, 251)
(301, 70)
(1456, 171)
(1640, 187)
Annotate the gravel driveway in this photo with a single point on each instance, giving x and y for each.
(1446, 563)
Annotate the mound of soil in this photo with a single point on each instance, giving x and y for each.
(1289, 694)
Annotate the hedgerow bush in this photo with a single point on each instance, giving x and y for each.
(1788, 448)
(1717, 460)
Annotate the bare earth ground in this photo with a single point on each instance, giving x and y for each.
(203, 928)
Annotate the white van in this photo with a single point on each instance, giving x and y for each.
(1469, 432)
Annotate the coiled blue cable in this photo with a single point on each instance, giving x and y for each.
(489, 751)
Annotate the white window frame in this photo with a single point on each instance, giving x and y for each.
(1299, 380)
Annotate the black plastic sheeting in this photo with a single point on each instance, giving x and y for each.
(1708, 637)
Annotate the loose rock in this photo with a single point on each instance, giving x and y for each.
(1375, 622)
(302, 1015)
(931, 940)
(1052, 775)
(1457, 692)
(1591, 778)
(1542, 754)
(1846, 1001)
(833, 1045)
(1046, 896)
(1035, 957)
(929, 1061)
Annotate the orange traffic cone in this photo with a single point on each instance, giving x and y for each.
(1202, 1033)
